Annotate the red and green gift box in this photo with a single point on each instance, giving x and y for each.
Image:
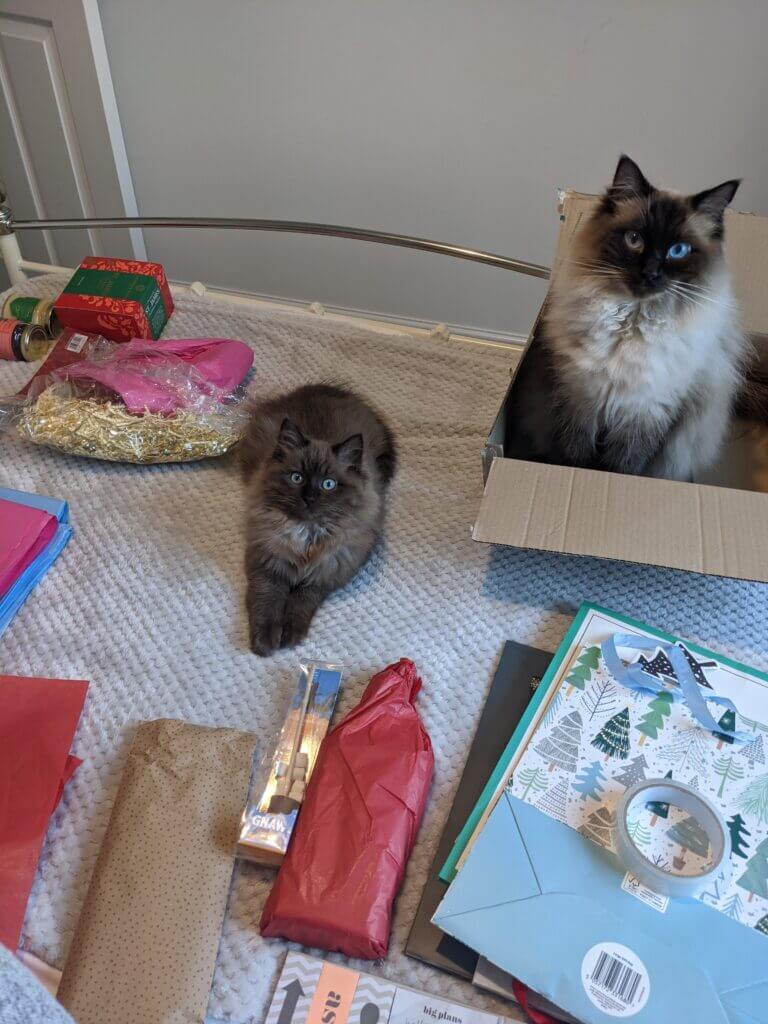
(119, 299)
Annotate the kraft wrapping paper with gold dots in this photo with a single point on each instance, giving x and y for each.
(145, 947)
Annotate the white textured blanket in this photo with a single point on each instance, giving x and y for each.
(147, 603)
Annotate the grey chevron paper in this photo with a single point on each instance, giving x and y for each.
(301, 971)
(596, 739)
(370, 992)
(375, 1000)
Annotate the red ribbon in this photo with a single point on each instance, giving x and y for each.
(521, 995)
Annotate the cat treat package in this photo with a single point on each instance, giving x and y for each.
(357, 827)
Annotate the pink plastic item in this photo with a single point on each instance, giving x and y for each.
(156, 376)
(24, 533)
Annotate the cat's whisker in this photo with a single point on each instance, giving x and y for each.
(717, 300)
(692, 286)
(600, 275)
(700, 302)
(585, 262)
(600, 271)
(678, 289)
(702, 295)
(595, 269)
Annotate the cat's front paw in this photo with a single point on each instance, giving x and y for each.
(266, 637)
(294, 631)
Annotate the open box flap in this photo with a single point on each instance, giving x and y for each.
(713, 530)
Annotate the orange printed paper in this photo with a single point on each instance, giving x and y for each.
(333, 995)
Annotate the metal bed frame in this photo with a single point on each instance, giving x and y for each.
(17, 267)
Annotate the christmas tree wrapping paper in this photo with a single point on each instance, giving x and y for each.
(591, 738)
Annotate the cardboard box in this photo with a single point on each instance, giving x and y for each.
(120, 299)
(716, 525)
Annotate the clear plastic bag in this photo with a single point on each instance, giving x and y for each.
(141, 401)
(285, 765)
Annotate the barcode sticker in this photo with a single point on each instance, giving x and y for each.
(77, 343)
(615, 979)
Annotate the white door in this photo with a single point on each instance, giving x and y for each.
(61, 146)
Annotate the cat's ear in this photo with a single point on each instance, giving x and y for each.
(629, 179)
(290, 436)
(350, 452)
(629, 182)
(713, 201)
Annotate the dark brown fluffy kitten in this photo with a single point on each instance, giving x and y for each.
(316, 462)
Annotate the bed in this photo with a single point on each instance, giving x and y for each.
(147, 602)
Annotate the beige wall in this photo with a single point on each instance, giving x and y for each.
(453, 120)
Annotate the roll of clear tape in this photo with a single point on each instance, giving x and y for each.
(677, 794)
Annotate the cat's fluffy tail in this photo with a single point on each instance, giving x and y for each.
(387, 458)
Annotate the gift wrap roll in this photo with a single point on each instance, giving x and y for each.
(144, 951)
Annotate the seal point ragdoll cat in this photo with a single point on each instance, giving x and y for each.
(638, 358)
(317, 463)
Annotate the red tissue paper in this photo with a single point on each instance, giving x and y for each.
(38, 719)
(358, 824)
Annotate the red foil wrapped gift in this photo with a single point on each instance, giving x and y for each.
(358, 824)
(120, 299)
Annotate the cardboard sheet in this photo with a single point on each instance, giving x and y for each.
(145, 947)
(700, 528)
(38, 719)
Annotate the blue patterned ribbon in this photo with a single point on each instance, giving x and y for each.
(688, 691)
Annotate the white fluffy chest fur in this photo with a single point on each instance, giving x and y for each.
(632, 360)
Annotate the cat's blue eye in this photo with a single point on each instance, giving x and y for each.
(297, 478)
(678, 251)
(634, 241)
(329, 484)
